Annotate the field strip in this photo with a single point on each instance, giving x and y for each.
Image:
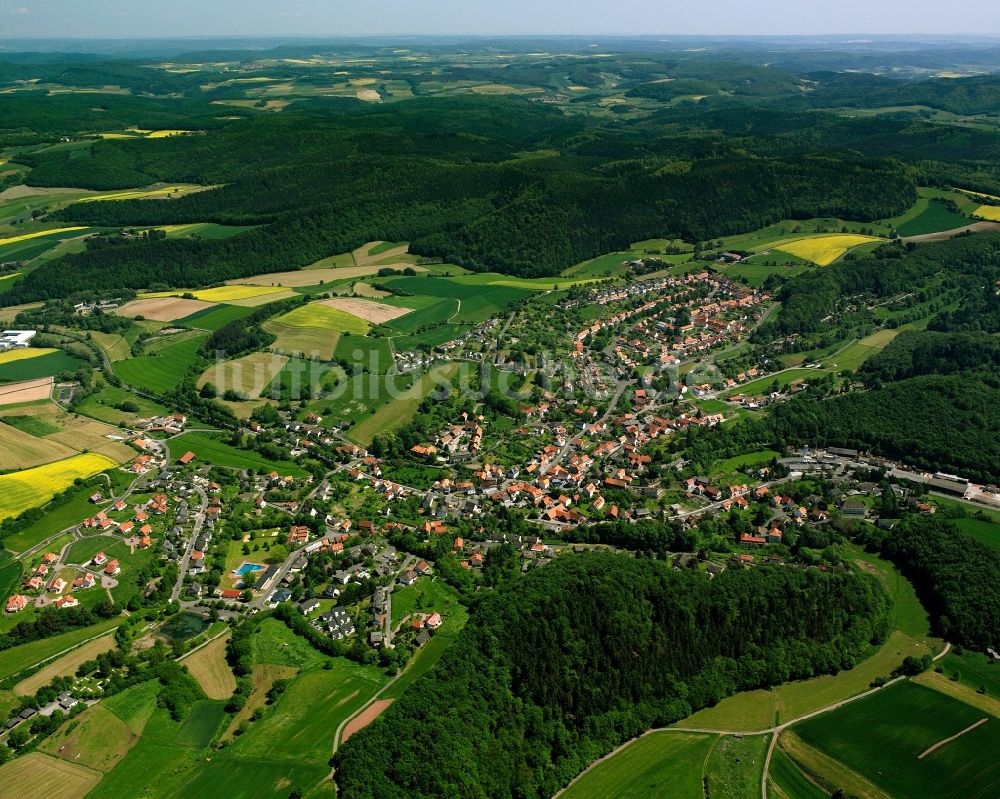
(962, 693)
(365, 717)
(26, 391)
(67, 650)
(829, 770)
(939, 744)
(65, 665)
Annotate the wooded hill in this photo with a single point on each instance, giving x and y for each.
(577, 657)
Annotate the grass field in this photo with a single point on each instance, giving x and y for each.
(248, 375)
(824, 250)
(34, 487)
(210, 449)
(784, 379)
(935, 217)
(19, 658)
(735, 767)
(305, 341)
(430, 653)
(398, 412)
(263, 677)
(97, 739)
(479, 298)
(78, 507)
(209, 667)
(666, 764)
(883, 736)
(424, 596)
(161, 370)
(10, 576)
(323, 317)
(975, 670)
(301, 724)
(36, 774)
(983, 531)
(787, 781)
(199, 728)
(42, 363)
(70, 431)
(178, 190)
(374, 354)
(102, 405)
(437, 310)
(216, 317)
(65, 666)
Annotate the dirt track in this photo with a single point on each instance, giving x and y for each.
(365, 717)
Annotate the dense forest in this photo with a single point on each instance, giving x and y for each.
(571, 660)
(454, 176)
(957, 578)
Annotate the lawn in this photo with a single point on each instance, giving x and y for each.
(430, 653)
(162, 370)
(214, 318)
(211, 449)
(658, 764)
(425, 595)
(34, 487)
(102, 405)
(19, 658)
(323, 317)
(751, 459)
(883, 736)
(40, 363)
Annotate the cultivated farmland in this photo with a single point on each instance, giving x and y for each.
(164, 309)
(38, 234)
(658, 764)
(12, 356)
(990, 212)
(65, 666)
(219, 294)
(48, 364)
(306, 341)
(375, 312)
(248, 375)
(160, 370)
(324, 317)
(34, 487)
(20, 450)
(889, 738)
(36, 774)
(824, 250)
(209, 667)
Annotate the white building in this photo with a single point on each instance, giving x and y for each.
(10, 339)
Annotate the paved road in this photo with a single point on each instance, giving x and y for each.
(182, 567)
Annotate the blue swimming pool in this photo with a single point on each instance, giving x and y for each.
(248, 567)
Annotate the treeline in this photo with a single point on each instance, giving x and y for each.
(956, 577)
(573, 659)
(246, 335)
(53, 622)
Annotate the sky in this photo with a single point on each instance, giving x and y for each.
(168, 18)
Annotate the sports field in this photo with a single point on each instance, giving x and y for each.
(824, 250)
(898, 739)
(34, 487)
(658, 764)
(322, 317)
(209, 667)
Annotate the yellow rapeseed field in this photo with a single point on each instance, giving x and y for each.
(31, 488)
(220, 294)
(990, 212)
(824, 250)
(139, 194)
(37, 234)
(22, 355)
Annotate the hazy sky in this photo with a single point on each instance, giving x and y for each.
(164, 18)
